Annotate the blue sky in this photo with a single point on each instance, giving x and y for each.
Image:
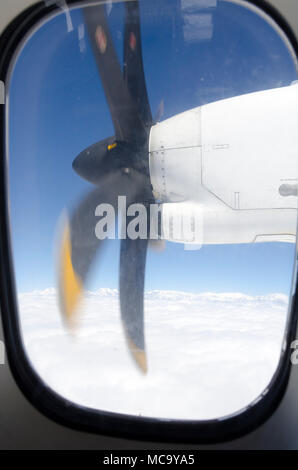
(57, 108)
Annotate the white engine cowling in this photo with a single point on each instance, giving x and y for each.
(236, 159)
(175, 156)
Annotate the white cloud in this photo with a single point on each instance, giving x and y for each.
(209, 354)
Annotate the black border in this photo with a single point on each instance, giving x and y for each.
(86, 419)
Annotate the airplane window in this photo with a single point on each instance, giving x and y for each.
(153, 204)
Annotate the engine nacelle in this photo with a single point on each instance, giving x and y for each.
(242, 150)
(236, 159)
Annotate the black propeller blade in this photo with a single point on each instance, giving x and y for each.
(133, 69)
(119, 167)
(128, 123)
(131, 286)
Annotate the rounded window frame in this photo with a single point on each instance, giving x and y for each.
(42, 397)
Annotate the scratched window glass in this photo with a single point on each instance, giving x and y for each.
(153, 203)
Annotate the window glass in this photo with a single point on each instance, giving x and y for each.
(195, 122)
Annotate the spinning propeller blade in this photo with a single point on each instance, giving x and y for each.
(118, 166)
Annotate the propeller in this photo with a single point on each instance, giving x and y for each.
(117, 166)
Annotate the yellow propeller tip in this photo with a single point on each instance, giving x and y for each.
(141, 359)
(70, 285)
(139, 356)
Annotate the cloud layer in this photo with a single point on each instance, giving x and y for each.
(209, 354)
